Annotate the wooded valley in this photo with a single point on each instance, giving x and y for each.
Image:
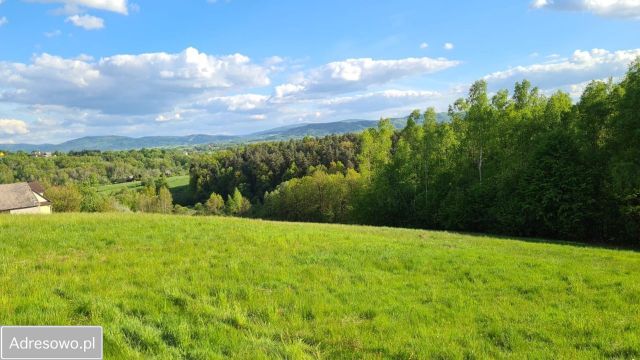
(517, 162)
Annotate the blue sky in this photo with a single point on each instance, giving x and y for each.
(71, 68)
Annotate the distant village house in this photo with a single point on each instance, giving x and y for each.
(24, 198)
(42, 154)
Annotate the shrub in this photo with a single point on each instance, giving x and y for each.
(64, 198)
(215, 204)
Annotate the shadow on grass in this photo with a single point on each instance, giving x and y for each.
(596, 245)
(182, 195)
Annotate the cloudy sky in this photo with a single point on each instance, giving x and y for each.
(72, 68)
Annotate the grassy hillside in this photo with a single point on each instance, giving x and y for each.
(172, 182)
(114, 188)
(178, 185)
(202, 288)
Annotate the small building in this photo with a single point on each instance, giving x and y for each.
(24, 198)
(42, 154)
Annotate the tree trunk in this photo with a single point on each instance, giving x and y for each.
(480, 165)
(426, 184)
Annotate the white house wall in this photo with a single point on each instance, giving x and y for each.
(34, 210)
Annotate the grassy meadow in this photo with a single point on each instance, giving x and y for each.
(177, 185)
(172, 182)
(114, 188)
(174, 287)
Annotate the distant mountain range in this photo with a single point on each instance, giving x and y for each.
(111, 142)
(106, 143)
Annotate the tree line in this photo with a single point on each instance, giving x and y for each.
(519, 163)
(93, 167)
(259, 168)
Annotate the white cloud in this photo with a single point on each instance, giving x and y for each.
(75, 10)
(194, 92)
(242, 102)
(162, 93)
(424, 45)
(386, 99)
(287, 89)
(448, 46)
(127, 84)
(576, 90)
(172, 116)
(86, 22)
(359, 74)
(3, 20)
(274, 60)
(76, 6)
(13, 127)
(629, 9)
(580, 67)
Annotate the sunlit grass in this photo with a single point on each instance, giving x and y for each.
(201, 288)
(178, 186)
(113, 188)
(172, 182)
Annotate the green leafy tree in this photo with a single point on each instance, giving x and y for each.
(237, 204)
(92, 201)
(215, 205)
(376, 148)
(319, 197)
(147, 200)
(6, 175)
(164, 201)
(479, 118)
(64, 198)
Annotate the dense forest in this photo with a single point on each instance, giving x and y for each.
(518, 163)
(257, 169)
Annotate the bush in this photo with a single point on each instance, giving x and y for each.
(215, 204)
(320, 197)
(237, 204)
(64, 198)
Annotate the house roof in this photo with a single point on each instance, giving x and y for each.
(16, 196)
(37, 188)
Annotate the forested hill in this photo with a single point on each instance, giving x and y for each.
(517, 163)
(107, 143)
(111, 143)
(520, 163)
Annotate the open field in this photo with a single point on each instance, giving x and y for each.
(173, 182)
(202, 288)
(178, 185)
(113, 188)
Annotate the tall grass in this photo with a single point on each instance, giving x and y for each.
(204, 288)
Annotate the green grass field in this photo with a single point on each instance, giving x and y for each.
(178, 185)
(173, 182)
(174, 287)
(114, 188)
